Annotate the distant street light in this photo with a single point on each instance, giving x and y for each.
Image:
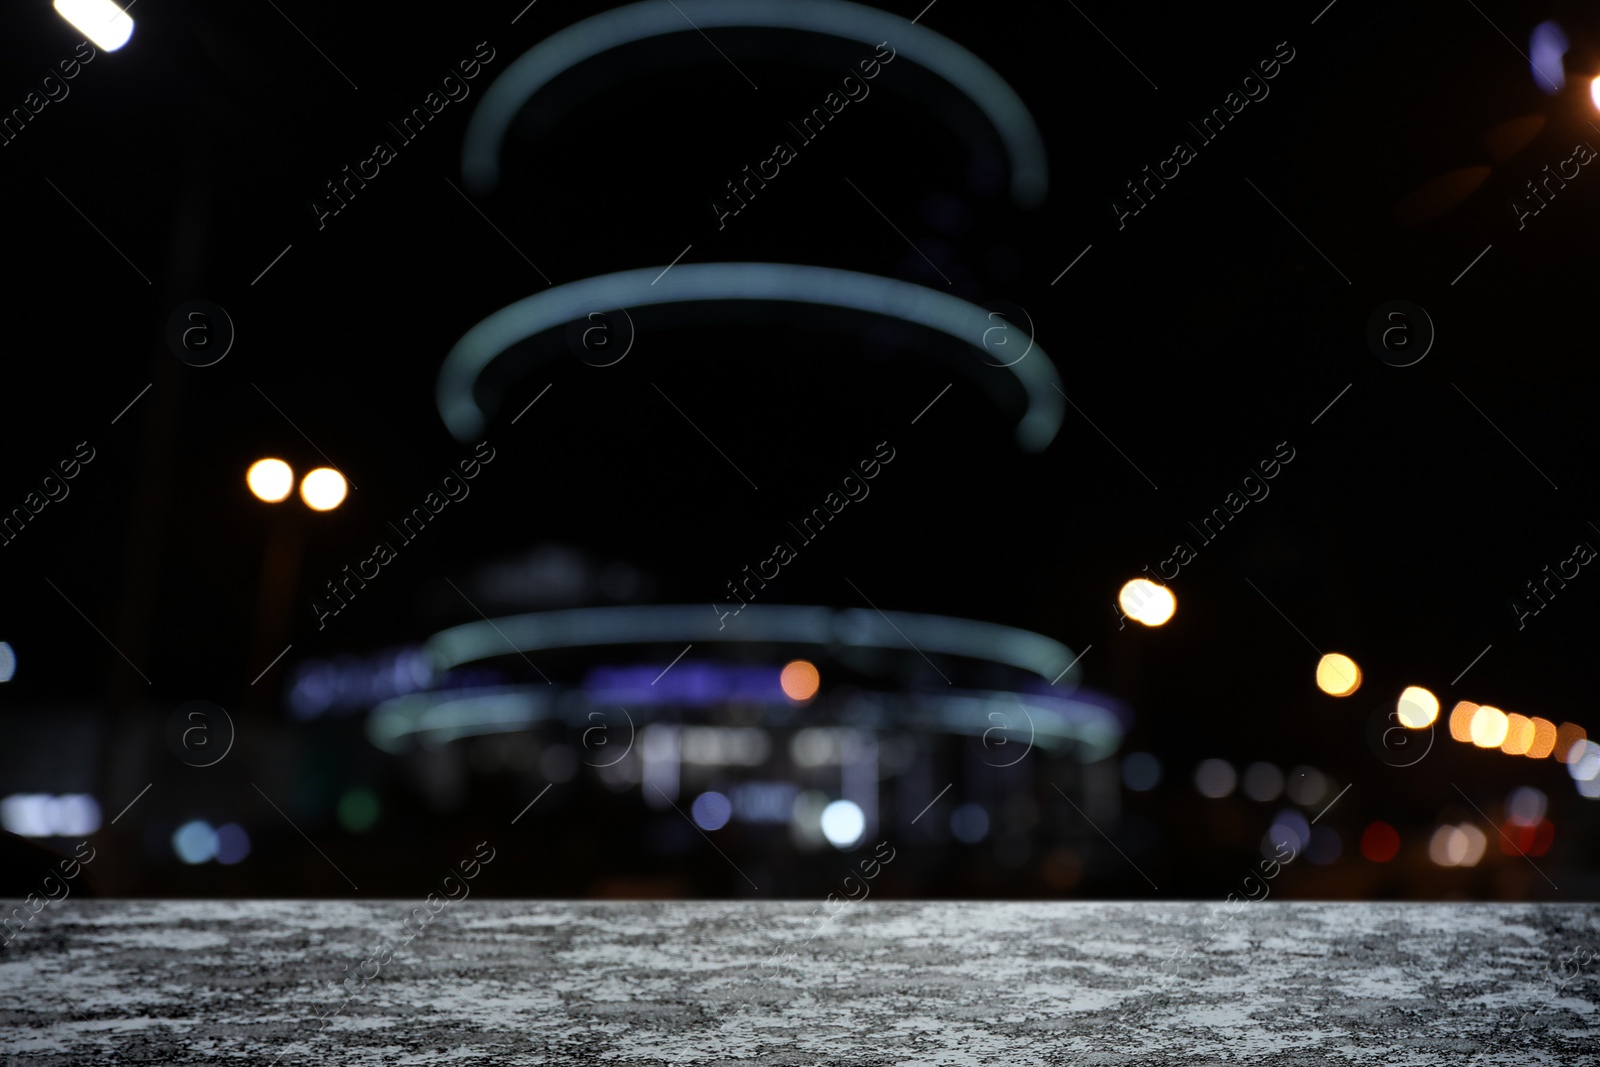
(1144, 601)
(270, 480)
(323, 489)
(1338, 675)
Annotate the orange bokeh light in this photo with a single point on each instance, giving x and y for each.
(800, 681)
(1544, 739)
(1461, 720)
(1519, 735)
(1567, 736)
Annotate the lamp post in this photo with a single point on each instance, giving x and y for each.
(271, 481)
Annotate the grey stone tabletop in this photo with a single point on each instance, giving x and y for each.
(941, 983)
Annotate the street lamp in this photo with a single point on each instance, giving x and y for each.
(323, 489)
(271, 480)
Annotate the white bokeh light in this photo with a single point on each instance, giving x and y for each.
(1215, 778)
(843, 823)
(195, 842)
(103, 22)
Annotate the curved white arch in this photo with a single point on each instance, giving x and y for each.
(776, 623)
(535, 68)
(785, 282)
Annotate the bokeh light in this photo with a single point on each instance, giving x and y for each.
(1489, 726)
(271, 480)
(1146, 602)
(1567, 736)
(323, 489)
(1380, 842)
(1547, 44)
(1215, 778)
(1306, 786)
(1141, 772)
(358, 809)
(1544, 739)
(1519, 735)
(233, 844)
(8, 662)
(195, 841)
(1457, 846)
(44, 815)
(1417, 707)
(1461, 720)
(799, 680)
(969, 823)
(1263, 782)
(1526, 805)
(1289, 828)
(1338, 675)
(805, 818)
(1447, 847)
(1477, 841)
(711, 811)
(1532, 839)
(843, 823)
(1583, 762)
(103, 22)
(1326, 845)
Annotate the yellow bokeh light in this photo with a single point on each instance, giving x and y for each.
(1338, 675)
(1489, 726)
(1144, 601)
(271, 480)
(1461, 720)
(1594, 92)
(1519, 735)
(800, 681)
(323, 489)
(1544, 739)
(1417, 707)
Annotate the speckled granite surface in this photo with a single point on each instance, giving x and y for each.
(540, 982)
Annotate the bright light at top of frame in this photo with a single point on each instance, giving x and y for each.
(103, 22)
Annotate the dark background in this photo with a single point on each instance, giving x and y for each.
(1196, 338)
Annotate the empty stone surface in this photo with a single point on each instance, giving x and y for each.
(944, 983)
